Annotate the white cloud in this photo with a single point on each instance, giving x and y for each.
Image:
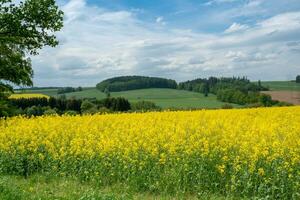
(97, 43)
(285, 21)
(219, 2)
(160, 20)
(235, 27)
(254, 3)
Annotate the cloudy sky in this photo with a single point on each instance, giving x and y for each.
(178, 39)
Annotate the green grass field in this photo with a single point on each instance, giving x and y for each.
(282, 85)
(165, 98)
(45, 187)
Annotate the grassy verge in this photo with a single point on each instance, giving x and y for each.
(46, 187)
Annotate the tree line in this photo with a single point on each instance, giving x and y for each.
(124, 83)
(238, 90)
(61, 105)
(68, 90)
(214, 84)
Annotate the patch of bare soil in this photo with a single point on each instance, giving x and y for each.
(287, 96)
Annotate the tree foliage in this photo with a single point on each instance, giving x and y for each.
(214, 84)
(144, 106)
(124, 83)
(117, 104)
(232, 90)
(68, 90)
(60, 104)
(25, 27)
(298, 79)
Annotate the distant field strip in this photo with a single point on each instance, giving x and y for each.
(282, 85)
(28, 96)
(48, 92)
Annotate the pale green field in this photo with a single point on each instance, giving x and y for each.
(282, 85)
(165, 98)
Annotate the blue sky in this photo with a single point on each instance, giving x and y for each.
(178, 39)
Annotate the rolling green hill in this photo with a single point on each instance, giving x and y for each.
(165, 98)
(282, 85)
(87, 93)
(125, 83)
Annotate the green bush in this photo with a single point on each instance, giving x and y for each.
(4, 109)
(35, 111)
(117, 104)
(298, 79)
(71, 112)
(255, 105)
(227, 106)
(144, 106)
(87, 106)
(91, 111)
(50, 112)
(103, 110)
(282, 103)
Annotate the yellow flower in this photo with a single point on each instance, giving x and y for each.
(221, 168)
(261, 171)
(31, 189)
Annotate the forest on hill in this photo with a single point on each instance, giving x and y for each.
(238, 90)
(124, 83)
(140, 93)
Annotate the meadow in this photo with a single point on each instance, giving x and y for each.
(282, 85)
(242, 153)
(165, 98)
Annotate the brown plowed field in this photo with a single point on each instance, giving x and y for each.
(287, 96)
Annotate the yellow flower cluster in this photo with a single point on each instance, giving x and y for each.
(27, 96)
(239, 151)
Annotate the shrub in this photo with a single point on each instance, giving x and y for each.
(35, 111)
(103, 110)
(117, 104)
(4, 108)
(144, 105)
(91, 111)
(86, 105)
(282, 103)
(71, 112)
(227, 106)
(255, 105)
(50, 112)
(298, 79)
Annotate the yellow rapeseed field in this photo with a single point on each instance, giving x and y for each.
(27, 96)
(243, 152)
